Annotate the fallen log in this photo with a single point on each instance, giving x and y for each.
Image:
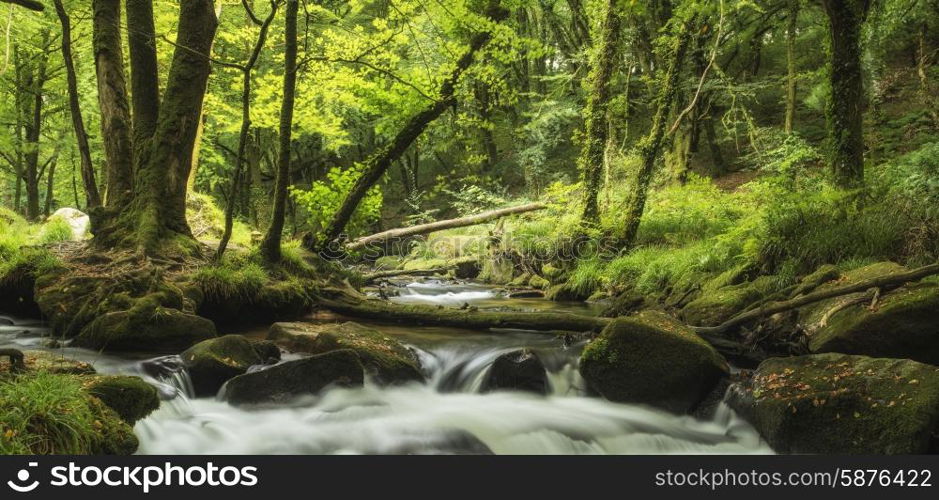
(880, 282)
(554, 322)
(471, 220)
(371, 277)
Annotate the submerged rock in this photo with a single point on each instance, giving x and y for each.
(130, 397)
(902, 323)
(383, 357)
(652, 359)
(842, 404)
(287, 381)
(519, 370)
(213, 362)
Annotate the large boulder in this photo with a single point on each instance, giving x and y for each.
(901, 323)
(293, 379)
(78, 222)
(519, 370)
(842, 404)
(130, 397)
(653, 359)
(212, 362)
(157, 329)
(385, 359)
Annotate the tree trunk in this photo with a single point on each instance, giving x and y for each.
(845, 106)
(243, 135)
(144, 77)
(651, 145)
(270, 247)
(50, 184)
(791, 64)
(92, 197)
(32, 172)
(598, 101)
(155, 220)
(378, 163)
(112, 99)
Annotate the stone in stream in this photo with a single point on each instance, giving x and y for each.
(901, 323)
(384, 358)
(130, 397)
(303, 377)
(143, 330)
(517, 370)
(652, 359)
(842, 404)
(213, 362)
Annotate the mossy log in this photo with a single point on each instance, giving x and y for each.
(372, 277)
(880, 282)
(472, 220)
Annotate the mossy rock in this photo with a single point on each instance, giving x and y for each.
(565, 293)
(652, 359)
(383, 357)
(497, 270)
(552, 273)
(715, 307)
(842, 404)
(213, 362)
(538, 282)
(303, 377)
(821, 276)
(904, 323)
(624, 304)
(112, 435)
(50, 362)
(520, 280)
(274, 300)
(151, 329)
(130, 397)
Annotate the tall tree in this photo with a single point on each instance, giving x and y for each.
(598, 102)
(376, 165)
(270, 247)
(791, 27)
(845, 107)
(650, 146)
(151, 215)
(92, 197)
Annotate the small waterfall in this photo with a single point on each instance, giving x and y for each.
(436, 293)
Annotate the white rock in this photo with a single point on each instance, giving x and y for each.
(77, 220)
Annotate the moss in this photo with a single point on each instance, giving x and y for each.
(49, 362)
(387, 359)
(18, 274)
(147, 327)
(213, 362)
(130, 397)
(838, 403)
(652, 359)
(45, 413)
(715, 307)
(538, 282)
(520, 280)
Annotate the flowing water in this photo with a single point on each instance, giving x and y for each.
(447, 414)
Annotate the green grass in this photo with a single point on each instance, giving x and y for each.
(46, 414)
(237, 276)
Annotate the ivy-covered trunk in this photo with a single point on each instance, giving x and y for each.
(845, 107)
(598, 102)
(651, 145)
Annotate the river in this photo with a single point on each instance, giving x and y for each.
(447, 414)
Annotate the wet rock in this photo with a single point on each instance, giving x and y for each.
(130, 397)
(652, 359)
(213, 362)
(386, 359)
(303, 377)
(526, 294)
(901, 323)
(842, 404)
(623, 304)
(519, 370)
